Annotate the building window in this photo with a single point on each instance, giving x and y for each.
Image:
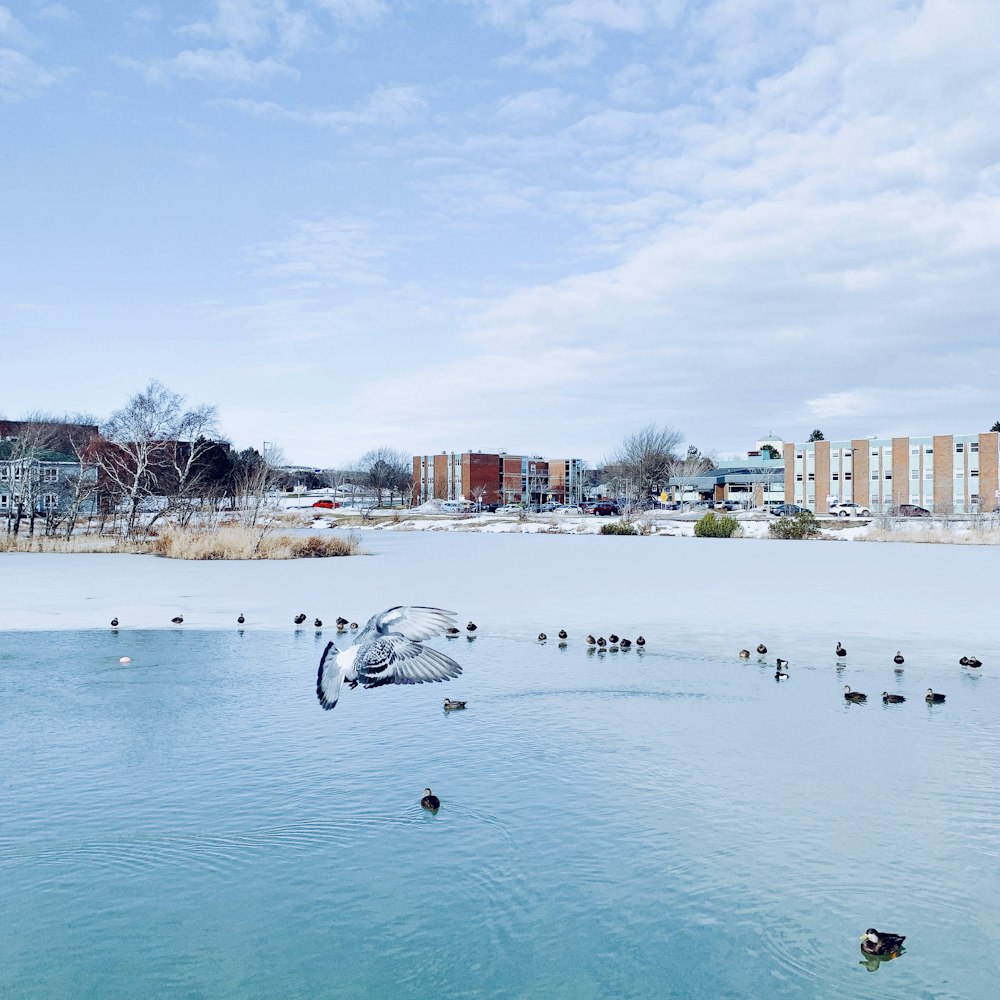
(914, 473)
(874, 454)
(973, 498)
(888, 475)
(49, 501)
(928, 451)
(4, 472)
(914, 451)
(847, 477)
(4, 501)
(51, 475)
(928, 473)
(959, 448)
(874, 475)
(17, 473)
(836, 477)
(974, 446)
(959, 473)
(798, 477)
(974, 473)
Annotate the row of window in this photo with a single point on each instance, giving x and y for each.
(48, 475)
(959, 449)
(49, 501)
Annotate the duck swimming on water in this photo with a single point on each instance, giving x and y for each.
(840, 650)
(892, 699)
(762, 649)
(856, 696)
(933, 697)
(299, 618)
(450, 706)
(880, 943)
(430, 801)
(898, 659)
(744, 654)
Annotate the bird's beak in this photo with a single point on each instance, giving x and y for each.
(863, 937)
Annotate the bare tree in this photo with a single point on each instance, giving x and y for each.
(643, 462)
(153, 444)
(385, 471)
(691, 466)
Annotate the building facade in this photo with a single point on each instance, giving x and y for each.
(496, 477)
(943, 473)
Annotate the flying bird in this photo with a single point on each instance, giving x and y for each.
(388, 650)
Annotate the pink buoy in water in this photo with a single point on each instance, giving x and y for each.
(125, 659)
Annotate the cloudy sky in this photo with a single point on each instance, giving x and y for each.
(522, 224)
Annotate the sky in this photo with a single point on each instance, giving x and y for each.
(526, 225)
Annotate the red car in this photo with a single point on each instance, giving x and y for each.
(327, 504)
(606, 508)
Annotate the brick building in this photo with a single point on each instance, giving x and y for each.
(944, 473)
(496, 477)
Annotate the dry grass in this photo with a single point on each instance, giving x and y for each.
(236, 541)
(75, 543)
(933, 535)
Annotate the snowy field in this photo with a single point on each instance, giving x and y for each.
(719, 594)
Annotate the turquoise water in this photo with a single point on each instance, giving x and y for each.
(617, 825)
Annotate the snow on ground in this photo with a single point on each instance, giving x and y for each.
(708, 594)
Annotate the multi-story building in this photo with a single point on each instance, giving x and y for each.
(943, 473)
(496, 477)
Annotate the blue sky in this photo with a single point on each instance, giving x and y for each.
(516, 224)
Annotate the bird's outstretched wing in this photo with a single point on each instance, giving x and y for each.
(392, 659)
(414, 623)
(329, 678)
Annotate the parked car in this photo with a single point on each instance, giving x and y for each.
(510, 508)
(910, 510)
(849, 509)
(326, 504)
(569, 509)
(788, 509)
(725, 505)
(606, 508)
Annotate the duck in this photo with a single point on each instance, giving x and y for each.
(782, 663)
(613, 639)
(744, 654)
(318, 623)
(933, 697)
(241, 620)
(299, 618)
(542, 637)
(626, 643)
(880, 943)
(856, 696)
(114, 623)
(780, 675)
(973, 662)
(840, 650)
(471, 627)
(762, 649)
(450, 705)
(602, 642)
(452, 633)
(892, 699)
(341, 622)
(639, 641)
(563, 634)
(430, 800)
(354, 626)
(177, 620)
(898, 659)
(591, 640)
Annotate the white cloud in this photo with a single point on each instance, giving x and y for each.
(392, 106)
(532, 105)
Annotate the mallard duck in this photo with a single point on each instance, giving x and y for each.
(933, 697)
(430, 801)
(880, 943)
(450, 706)
(563, 634)
(639, 641)
(318, 623)
(626, 644)
(780, 675)
(892, 699)
(840, 650)
(856, 696)
(781, 663)
(299, 618)
(744, 654)
(591, 641)
(542, 637)
(613, 639)
(177, 620)
(241, 620)
(114, 623)
(762, 649)
(898, 658)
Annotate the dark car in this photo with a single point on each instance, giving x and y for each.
(787, 510)
(606, 508)
(910, 510)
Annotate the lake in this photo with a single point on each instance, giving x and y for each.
(663, 823)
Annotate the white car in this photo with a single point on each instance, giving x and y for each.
(571, 509)
(849, 509)
(510, 508)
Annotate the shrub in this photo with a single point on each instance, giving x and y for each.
(618, 528)
(710, 526)
(244, 542)
(802, 525)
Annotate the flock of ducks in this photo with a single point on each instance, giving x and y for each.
(857, 697)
